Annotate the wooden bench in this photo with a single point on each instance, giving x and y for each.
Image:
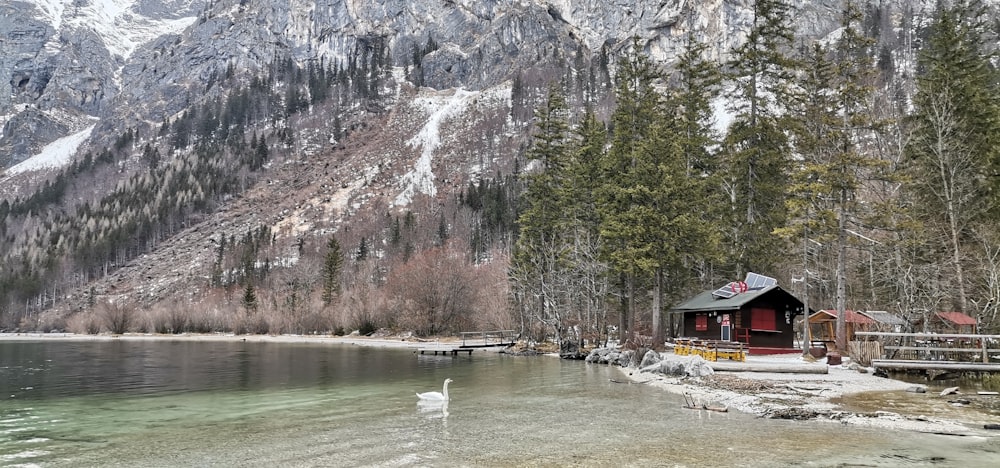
(684, 346)
(715, 349)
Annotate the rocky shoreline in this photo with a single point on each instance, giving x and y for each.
(782, 395)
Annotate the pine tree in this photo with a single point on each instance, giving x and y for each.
(694, 85)
(587, 272)
(626, 193)
(956, 144)
(542, 214)
(396, 233)
(538, 253)
(362, 252)
(250, 298)
(693, 88)
(583, 175)
(850, 162)
(814, 134)
(333, 265)
(756, 148)
(442, 230)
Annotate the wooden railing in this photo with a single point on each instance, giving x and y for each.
(938, 346)
(484, 339)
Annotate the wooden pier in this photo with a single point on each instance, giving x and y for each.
(937, 352)
(472, 341)
(488, 339)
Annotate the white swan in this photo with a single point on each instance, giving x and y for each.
(436, 396)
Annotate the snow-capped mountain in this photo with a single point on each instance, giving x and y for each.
(64, 60)
(72, 60)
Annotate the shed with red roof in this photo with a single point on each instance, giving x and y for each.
(950, 322)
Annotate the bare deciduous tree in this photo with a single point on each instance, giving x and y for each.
(116, 316)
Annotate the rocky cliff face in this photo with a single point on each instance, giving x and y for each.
(130, 61)
(67, 62)
(61, 62)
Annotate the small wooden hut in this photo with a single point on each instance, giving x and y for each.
(823, 326)
(755, 312)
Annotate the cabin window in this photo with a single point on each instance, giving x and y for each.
(701, 322)
(762, 319)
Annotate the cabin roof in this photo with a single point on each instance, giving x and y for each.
(883, 317)
(956, 318)
(706, 301)
(850, 316)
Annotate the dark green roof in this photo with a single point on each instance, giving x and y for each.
(706, 301)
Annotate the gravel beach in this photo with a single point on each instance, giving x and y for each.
(811, 396)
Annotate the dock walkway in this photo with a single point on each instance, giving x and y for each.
(472, 341)
(947, 352)
(488, 339)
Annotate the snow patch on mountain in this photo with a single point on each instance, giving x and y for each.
(440, 108)
(52, 10)
(118, 23)
(56, 154)
(722, 115)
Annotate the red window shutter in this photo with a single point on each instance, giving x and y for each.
(762, 319)
(701, 322)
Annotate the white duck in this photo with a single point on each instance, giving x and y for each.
(436, 396)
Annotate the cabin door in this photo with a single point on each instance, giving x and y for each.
(726, 327)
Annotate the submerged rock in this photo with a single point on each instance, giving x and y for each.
(794, 413)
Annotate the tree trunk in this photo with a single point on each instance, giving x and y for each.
(842, 274)
(623, 309)
(959, 274)
(805, 287)
(630, 310)
(658, 339)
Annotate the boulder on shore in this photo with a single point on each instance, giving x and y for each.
(610, 356)
(571, 350)
(650, 358)
(654, 362)
(681, 366)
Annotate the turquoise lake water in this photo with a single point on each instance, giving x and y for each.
(162, 403)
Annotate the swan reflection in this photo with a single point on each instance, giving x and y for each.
(433, 408)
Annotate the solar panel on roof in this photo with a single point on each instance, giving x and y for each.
(755, 281)
(724, 292)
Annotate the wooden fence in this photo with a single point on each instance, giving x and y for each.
(864, 352)
(954, 347)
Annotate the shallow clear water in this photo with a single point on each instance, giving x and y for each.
(184, 403)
